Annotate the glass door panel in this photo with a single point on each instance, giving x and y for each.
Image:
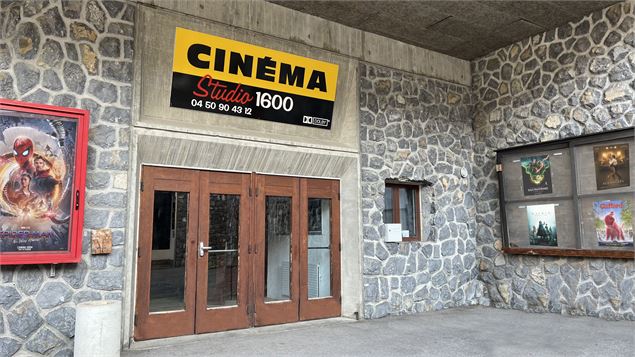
(277, 248)
(319, 247)
(169, 237)
(222, 261)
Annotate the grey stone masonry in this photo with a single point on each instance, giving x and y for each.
(576, 79)
(69, 53)
(417, 128)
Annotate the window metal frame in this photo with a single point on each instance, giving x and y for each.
(395, 206)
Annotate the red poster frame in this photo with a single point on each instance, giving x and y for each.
(74, 252)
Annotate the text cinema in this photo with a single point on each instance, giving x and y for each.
(264, 68)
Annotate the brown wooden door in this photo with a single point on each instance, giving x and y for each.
(276, 246)
(166, 263)
(222, 251)
(319, 249)
(223, 261)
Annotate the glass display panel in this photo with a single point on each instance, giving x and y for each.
(407, 213)
(542, 213)
(605, 167)
(319, 254)
(607, 221)
(169, 237)
(537, 175)
(222, 260)
(541, 224)
(277, 248)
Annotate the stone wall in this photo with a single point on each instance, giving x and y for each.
(573, 80)
(73, 54)
(417, 128)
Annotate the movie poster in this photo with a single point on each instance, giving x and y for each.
(536, 171)
(37, 159)
(542, 225)
(612, 169)
(614, 223)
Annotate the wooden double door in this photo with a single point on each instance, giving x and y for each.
(221, 251)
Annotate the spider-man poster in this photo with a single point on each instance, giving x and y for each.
(37, 165)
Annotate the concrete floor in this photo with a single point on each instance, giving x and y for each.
(457, 332)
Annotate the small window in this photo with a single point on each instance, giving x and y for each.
(401, 205)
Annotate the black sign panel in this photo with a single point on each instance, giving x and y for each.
(214, 96)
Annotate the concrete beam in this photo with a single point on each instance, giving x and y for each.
(283, 23)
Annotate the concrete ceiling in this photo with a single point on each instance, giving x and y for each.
(463, 29)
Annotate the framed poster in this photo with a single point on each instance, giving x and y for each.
(542, 225)
(43, 151)
(536, 171)
(613, 223)
(612, 167)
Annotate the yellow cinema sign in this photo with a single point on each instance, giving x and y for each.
(200, 54)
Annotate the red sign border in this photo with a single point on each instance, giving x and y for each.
(74, 253)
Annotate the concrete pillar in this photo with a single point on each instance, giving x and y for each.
(97, 329)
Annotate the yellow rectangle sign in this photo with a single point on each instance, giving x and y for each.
(201, 55)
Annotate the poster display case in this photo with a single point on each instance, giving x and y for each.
(43, 154)
(569, 197)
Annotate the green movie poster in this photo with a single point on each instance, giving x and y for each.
(542, 225)
(536, 171)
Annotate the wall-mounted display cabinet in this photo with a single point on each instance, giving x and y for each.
(43, 151)
(570, 197)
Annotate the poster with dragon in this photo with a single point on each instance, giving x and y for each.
(37, 167)
(536, 171)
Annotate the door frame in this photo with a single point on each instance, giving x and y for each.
(277, 312)
(226, 317)
(331, 306)
(159, 325)
(256, 192)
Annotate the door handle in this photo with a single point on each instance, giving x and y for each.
(202, 248)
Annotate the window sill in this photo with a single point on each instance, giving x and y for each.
(589, 253)
(410, 239)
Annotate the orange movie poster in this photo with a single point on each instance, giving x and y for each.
(612, 169)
